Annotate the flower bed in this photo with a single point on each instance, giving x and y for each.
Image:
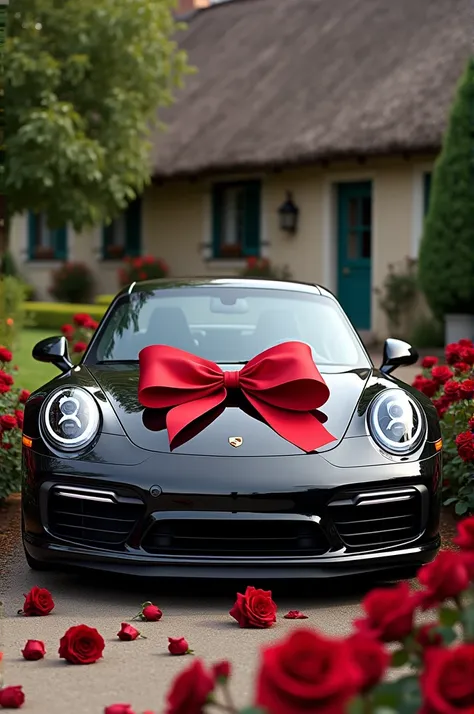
(429, 667)
(12, 400)
(451, 388)
(79, 334)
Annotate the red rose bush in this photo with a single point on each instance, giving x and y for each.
(12, 400)
(451, 388)
(79, 334)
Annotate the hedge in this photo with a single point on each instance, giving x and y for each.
(53, 315)
(104, 299)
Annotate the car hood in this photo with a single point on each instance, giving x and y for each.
(146, 429)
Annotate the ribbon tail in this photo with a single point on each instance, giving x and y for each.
(180, 418)
(299, 428)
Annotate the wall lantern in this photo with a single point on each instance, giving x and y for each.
(288, 214)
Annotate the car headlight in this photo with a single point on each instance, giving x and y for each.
(396, 422)
(70, 419)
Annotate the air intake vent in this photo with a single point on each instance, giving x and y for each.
(95, 518)
(377, 519)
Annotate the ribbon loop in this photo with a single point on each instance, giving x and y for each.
(282, 383)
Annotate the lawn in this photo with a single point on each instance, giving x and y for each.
(32, 374)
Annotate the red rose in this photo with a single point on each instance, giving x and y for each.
(127, 633)
(452, 352)
(67, 330)
(38, 601)
(466, 389)
(81, 645)
(426, 636)
(467, 354)
(462, 367)
(445, 577)
(222, 670)
(178, 646)
(4, 388)
(465, 536)
(190, 690)
(92, 324)
(6, 446)
(465, 445)
(81, 319)
(24, 395)
(254, 609)
(34, 650)
(465, 342)
(389, 612)
(119, 709)
(307, 672)
(371, 658)
(427, 386)
(295, 615)
(447, 682)
(451, 390)
(5, 355)
(7, 422)
(6, 378)
(429, 362)
(151, 613)
(11, 697)
(80, 347)
(441, 374)
(19, 415)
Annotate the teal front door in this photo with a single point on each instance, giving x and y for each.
(355, 251)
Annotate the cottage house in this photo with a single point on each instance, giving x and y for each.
(342, 103)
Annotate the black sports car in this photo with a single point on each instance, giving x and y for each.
(229, 427)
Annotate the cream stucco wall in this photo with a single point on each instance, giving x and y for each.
(176, 225)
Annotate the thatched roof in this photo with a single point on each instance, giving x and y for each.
(284, 82)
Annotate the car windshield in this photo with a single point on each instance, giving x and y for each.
(227, 325)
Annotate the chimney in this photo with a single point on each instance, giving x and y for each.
(186, 6)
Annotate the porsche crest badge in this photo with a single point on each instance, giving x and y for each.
(235, 441)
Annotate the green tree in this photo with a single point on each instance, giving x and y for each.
(84, 82)
(446, 261)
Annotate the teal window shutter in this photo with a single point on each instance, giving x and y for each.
(32, 232)
(60, 243)
(252, 209)
(217, 210)
(133, 228)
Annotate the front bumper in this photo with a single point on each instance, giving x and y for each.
(266, 519)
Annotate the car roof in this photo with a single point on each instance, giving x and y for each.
(259, 283)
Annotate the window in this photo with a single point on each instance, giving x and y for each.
(236, 219)
(426, 191)
(122, 238)
(228, 325)
(43, 242)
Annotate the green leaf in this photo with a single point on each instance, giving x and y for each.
(356, 706)
(252, 710)
(467, 621)
(386, 695)
(400, 658)
(410, 700)
(448, 616)
(447, 633)
(461, 508)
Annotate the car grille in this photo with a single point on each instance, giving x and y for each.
(236, 537)
(377, 519)
(90, 517)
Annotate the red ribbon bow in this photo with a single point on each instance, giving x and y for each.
(282, 383)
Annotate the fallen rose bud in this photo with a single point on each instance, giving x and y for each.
(149, 613)
(12, 697)
(295, 615)
(38, 602)
(128, 633)
(119, 709)
(81, 645)
(178, 646)
(34, 650)
(222, 670)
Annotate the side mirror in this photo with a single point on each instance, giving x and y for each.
(397, 353)
(55, 351)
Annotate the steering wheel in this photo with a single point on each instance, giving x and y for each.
(316, 357)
